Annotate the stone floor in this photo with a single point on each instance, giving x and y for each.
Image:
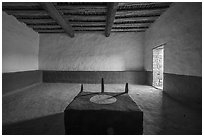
(39, 109)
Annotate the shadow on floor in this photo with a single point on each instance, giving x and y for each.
(48, 125)
(179, 118)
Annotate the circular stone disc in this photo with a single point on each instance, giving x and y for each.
(103, 99)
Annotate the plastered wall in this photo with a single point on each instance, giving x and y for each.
(91, 52)
(20, 46)
(180, 27)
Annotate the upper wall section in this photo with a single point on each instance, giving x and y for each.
(20, 46)
(180, 27)
(91, 52)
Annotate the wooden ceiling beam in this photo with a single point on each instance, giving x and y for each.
(16, 4)
(132, 25)
(113, 30)
(80, 7)
(82, 10)
(61, 30)
(80, 4)
(81, 17)
(33, 17)
(77, 31)
(133, 22)
(53, 12)
(138, 16)
(140, 27)
(140, 12)
(135, 19)
(135, 3)
(88, 23)
(50, 31)
(26, 12)
(90, 31)
(83, 13)
(44, 26)
(144, 5)
(68, 17)
(112, 8)
(57, 26)
(128, 30)
(27, 21)
(21, 8)
(89, 28)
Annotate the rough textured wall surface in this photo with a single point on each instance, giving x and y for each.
(91, 52)
(180, 27)
(20, 46)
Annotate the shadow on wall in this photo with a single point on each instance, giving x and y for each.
(48, 125)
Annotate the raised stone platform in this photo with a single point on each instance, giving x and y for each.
(84, 117)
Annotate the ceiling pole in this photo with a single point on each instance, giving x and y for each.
(53, 12)
(112, 8)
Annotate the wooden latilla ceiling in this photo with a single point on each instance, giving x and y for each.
(72, 17)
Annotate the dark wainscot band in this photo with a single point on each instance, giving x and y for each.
(17, 80)
(94, 77)
(184, 88)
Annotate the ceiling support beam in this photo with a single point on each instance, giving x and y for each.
(53, 12)
(112, 8)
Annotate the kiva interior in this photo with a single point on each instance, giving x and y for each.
(92, 68)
